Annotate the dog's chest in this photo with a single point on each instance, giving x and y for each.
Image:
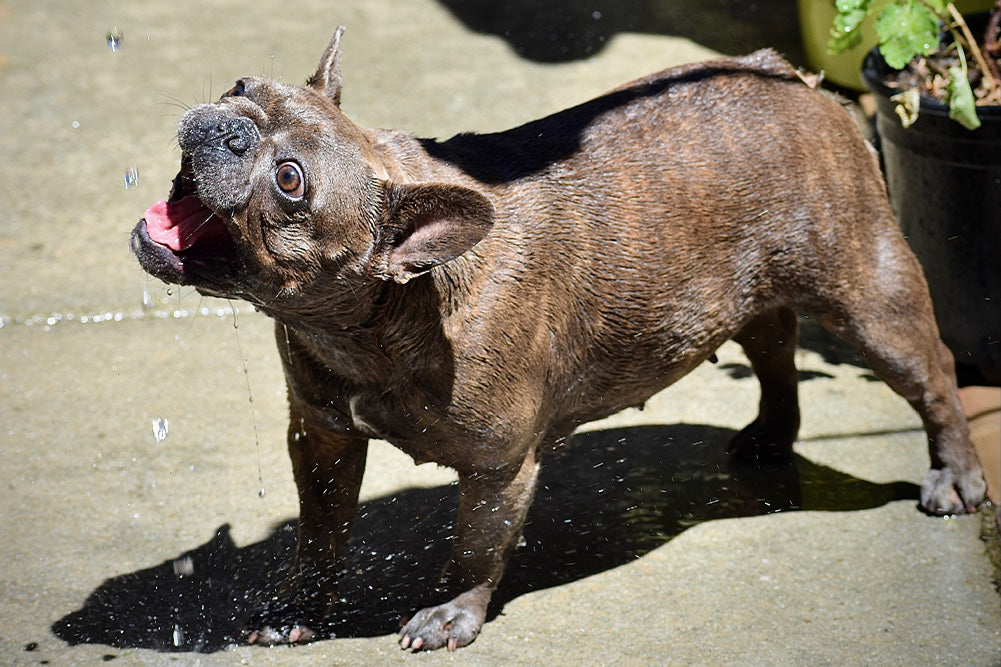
(391, 417)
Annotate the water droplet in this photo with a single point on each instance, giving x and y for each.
(178, 635)
(115, 39)
(76, 124)
(131, 177)
(160, 427)
(260, 494)
(184, 566)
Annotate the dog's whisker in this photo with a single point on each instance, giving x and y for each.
(202, 224)
(175, 102)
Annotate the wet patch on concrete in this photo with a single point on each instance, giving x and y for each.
(608, 498)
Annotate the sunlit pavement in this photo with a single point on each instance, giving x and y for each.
(145, 500)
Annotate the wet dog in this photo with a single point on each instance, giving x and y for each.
(473, 301)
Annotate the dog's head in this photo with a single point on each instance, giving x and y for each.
(281, 199)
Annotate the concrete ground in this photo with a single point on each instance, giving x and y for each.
(121, 544)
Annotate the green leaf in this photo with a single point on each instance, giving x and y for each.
(845, 6)
(906, 30)
(938, 5)
(845, 33)
(962, 107)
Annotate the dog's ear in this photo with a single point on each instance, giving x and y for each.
(327, 79)
(424, 225)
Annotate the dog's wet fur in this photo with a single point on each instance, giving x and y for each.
(473, 301)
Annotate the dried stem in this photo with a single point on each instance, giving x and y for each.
(992, 40)
(990, 81)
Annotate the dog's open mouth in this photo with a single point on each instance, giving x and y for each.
(186, 223)
(182, 240)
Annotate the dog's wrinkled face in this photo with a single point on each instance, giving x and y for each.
(276, 187)
(283, 201)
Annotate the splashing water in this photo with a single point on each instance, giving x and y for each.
(250, 396)
(131, 177)
(147, 303)
(147, 311)
(160, 427)
(184, 566)
(115, 39)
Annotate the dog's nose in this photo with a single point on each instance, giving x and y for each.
(240, 134)
(206, 126)
(237, 134)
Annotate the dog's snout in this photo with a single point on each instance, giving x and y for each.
(220, 145)
(206, 126)
(238, 134)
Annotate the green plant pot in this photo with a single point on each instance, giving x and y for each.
(815, 20)
(945, 185)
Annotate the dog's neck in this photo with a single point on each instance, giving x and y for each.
(395, 333)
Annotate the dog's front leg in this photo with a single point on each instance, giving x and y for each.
(492, 509)
(328, 469)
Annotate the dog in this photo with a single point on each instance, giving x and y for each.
(473, 301)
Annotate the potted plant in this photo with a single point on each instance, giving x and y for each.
(844, 67)
(937, 86)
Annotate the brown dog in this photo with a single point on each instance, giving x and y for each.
(473, 301)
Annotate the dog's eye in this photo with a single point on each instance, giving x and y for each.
(239, 90)
(289, 178)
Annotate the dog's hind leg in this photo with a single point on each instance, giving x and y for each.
(769, 341)
(888, 316)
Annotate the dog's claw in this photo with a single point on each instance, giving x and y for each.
(300, 634)
(269, 636)
(448, 625)
(945, 491)
(415, 644)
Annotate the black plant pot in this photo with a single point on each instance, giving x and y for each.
(945, 185)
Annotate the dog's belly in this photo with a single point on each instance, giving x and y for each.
(623, 384)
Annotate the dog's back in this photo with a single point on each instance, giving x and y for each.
(643, 228)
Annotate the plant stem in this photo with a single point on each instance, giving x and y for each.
(989, 80)
(992, 43)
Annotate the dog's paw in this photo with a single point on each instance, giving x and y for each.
(284, 622)
(451, 625)
(946, 491)
(270, 636)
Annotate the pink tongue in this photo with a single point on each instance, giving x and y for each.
(179, 224)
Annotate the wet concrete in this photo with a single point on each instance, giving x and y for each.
(644, 546)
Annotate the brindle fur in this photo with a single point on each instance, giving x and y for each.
(473, 301)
